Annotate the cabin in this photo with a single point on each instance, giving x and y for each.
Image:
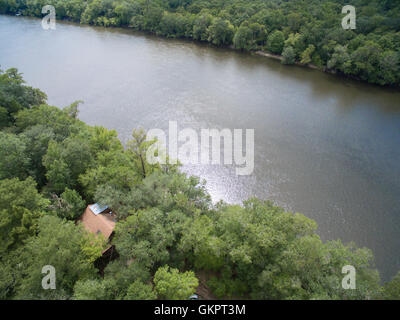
(99, 219)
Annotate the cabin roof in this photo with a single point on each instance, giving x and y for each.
(99, 222)
(97, 208)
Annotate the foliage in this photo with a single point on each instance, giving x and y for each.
(140, 291)
(20, 208)
(65, 161)
(70, 261)
(16, 96)
(170, 284)
(275, 42)
(306, 56)
(69, 205)
(14, 161)
(288, 55)
(261, 251)
(92, 289)
(137, 148)
(220, 32)
(243, 38)
(72, 110)
(36, 140)
(391, 289)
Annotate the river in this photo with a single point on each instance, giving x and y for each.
(325, 146)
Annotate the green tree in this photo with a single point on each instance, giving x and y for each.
(58, 176)
(121, 274)
(288, 55)
(306, 56)
(200, 26)
(243, 38)
(103, 141)
(37, 140)
(137, 148)
(152, 17)
(14, 161)
(389, 66)
(200, 245)
(174, 25)
(294, 21)
(49, 117)
(145, 237)
(16, 96)
(4, 118)
(114, 171)
(340, 59)
(296, 41)
(74, 9)
(220, 32)
(72, 110)
(170, 284)
(20, 208)
(124, 11)
(391, 289)
(276, 41)
(259, 35)
(60, 244)
(92, 289)
(140, 291)
(365, 61)
(65, 161)
(10, 273)
(69, 205)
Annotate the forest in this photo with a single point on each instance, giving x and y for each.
(169, 235)
(306, 32)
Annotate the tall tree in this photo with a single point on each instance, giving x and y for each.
(20, 208)
(14, 159)
(172, 285)
(60, 244)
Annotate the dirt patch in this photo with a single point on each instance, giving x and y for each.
(203, 290)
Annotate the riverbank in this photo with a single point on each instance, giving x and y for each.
(280, 58)
(261, 53)
(379, 77)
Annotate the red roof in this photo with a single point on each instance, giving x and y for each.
(101, 223)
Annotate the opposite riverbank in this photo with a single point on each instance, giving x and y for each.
(261, 53)
(362, 56)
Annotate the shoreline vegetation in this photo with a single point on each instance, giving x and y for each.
(281, 58)
(255, 52)
(305, 33)
(171, 240)
(231, 47)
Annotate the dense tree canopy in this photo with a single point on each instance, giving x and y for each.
(65, 247)
(172, 285)
(15, 95)
(391, 290)
(20, 208)
(370, 52)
